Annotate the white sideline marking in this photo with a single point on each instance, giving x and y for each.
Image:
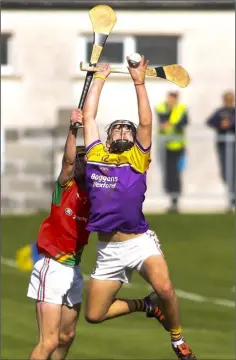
(190, 296)
(8, 262)
(181, 294)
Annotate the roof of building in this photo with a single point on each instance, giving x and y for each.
(121, 4)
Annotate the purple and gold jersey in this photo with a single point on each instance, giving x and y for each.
(116, 187)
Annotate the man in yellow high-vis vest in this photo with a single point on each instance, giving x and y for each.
(173, 118)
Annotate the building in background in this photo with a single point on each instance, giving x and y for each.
(42, 44)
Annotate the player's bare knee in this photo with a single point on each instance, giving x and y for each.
(50, 344)
(93, 318)
(66, 338)
(165, 291)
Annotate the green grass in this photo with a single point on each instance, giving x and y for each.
(199, 251)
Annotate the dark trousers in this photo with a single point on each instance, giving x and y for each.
(226, 156)
(172, 178)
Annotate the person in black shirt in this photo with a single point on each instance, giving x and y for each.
(223, 122)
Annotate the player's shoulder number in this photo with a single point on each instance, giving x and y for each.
(106, 159)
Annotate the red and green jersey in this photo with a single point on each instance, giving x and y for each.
(63, 234)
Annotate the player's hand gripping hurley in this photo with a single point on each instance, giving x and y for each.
(174, 73)
(103, 19)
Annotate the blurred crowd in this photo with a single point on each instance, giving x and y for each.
(173, 118)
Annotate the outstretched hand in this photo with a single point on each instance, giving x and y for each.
(138, 73)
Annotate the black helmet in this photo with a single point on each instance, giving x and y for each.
(79, 171)
(121, 144)
(80, 150)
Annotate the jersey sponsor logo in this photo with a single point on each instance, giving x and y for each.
(80, 218)
(104, 169)
(68, 211)
(101, 181)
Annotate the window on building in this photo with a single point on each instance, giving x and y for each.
(115, 50)
(160, 50)
(112, 53)
(5, 41)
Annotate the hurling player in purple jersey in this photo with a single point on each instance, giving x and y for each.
(116, 181)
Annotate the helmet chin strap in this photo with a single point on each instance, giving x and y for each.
(121, 145)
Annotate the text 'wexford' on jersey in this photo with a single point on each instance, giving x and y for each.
(63, 234)
(116, 185)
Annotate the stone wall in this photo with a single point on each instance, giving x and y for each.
(29, 171)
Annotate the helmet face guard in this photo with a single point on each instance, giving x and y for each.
(121, 145)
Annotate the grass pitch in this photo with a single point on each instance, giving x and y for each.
(199, 251)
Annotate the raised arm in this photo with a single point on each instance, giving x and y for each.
(144, 130)
(91, 132)
(69, 157)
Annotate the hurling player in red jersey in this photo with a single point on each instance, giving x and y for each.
(56, 281)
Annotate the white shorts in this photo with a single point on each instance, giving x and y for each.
(55, 283)
(117, 260)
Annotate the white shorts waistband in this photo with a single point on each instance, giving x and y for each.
(118, 244)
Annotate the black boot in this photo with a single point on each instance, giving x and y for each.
(174, 205)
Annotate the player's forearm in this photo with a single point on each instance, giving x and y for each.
(70, 147)
(144, 109)
(91, 104)
(144, 130)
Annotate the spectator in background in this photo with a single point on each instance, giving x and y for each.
(173, 118)
(2, 148)
(223, 122)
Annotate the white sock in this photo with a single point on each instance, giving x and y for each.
(178, 342)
